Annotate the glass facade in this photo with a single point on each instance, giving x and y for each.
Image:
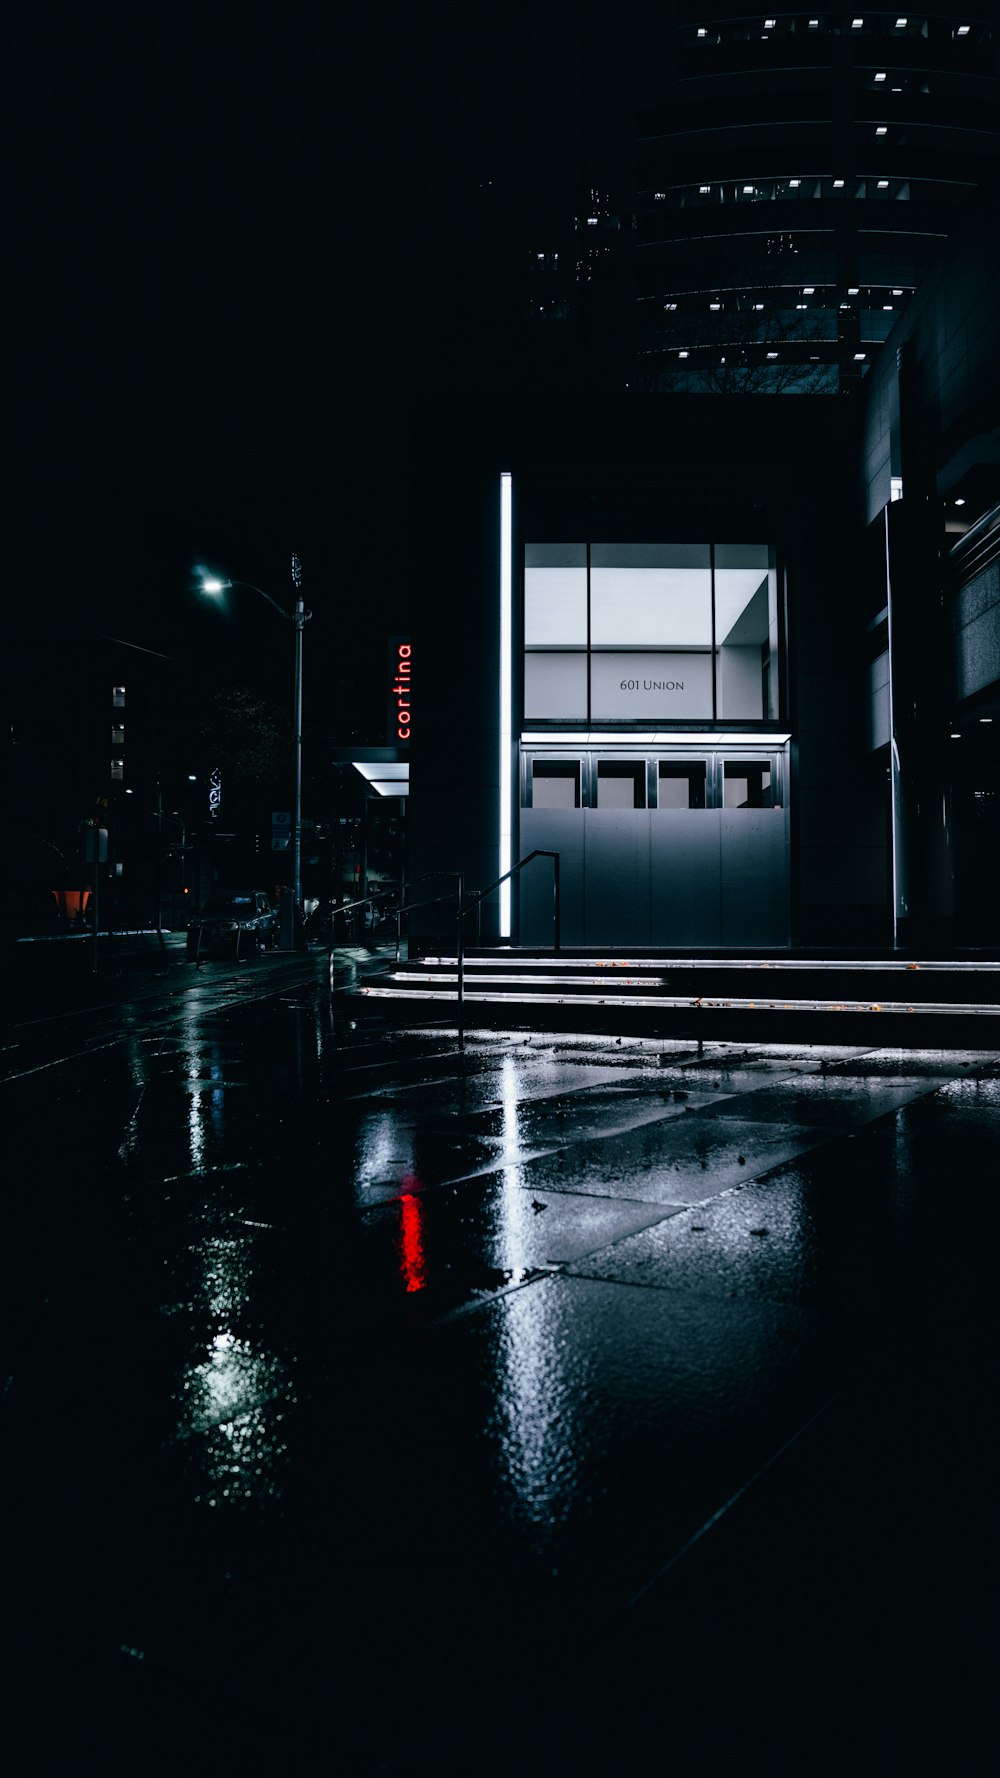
(663, 778)
(624, 633)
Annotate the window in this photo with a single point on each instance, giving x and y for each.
(555, 784)
(651, 595)
(746, 632)
(651, 632)
(555, 595)
(555, 685)
(747, 784)
(621, 784)
(681, 784)
(657, 783)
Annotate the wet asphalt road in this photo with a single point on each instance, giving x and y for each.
(551, 1405)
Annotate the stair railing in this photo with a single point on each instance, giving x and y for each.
(476, 901)
(463, 907)
(401, 907)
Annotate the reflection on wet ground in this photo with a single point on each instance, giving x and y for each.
(417, 1392)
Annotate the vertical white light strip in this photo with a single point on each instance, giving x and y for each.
(506, 597)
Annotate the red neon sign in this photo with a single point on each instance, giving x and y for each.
(401, 674)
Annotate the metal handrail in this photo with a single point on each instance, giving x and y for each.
(481, 894)
(476, 902)
(463, 907)
(402, 907)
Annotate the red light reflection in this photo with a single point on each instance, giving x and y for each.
(412, 1242)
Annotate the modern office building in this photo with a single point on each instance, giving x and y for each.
(733, 660)
(801, 172)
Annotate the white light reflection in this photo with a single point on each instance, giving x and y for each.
(514, 1213)
(206, 1105)
(536, 1413)
(383, 1158)
(196, 1131)
(232, 1400)
(534, 1404)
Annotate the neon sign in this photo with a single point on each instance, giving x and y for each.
(400, 686)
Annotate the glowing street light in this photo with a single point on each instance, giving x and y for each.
(298, 616)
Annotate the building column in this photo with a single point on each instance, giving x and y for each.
(920, 689)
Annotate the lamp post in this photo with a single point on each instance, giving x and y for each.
(299, 617)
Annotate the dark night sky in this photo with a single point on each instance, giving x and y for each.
(245, 240)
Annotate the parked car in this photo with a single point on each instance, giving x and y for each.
(237, 921)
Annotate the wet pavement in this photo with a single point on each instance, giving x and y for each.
(376, 1404)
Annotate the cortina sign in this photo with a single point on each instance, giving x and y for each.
(400, 684)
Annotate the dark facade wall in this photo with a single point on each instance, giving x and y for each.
(950, 330)
(932, 419)
(976, 633)
(454, 794)
(839, 811)
(802, 457)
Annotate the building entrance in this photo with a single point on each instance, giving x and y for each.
(678, 846)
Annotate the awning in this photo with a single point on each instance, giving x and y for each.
(386, 770)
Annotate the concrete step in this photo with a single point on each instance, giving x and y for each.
(678, 994)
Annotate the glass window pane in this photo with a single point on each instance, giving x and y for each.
(621, 784)
(681, 784)
(747, 784)
(555, 783)
(650, 687)
(746, 631)
(650, 595)
(555, 685)
(555, 595)
(741, 682)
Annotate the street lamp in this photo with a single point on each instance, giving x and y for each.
(299, 617)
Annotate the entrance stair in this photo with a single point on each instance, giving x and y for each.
(751, 997)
